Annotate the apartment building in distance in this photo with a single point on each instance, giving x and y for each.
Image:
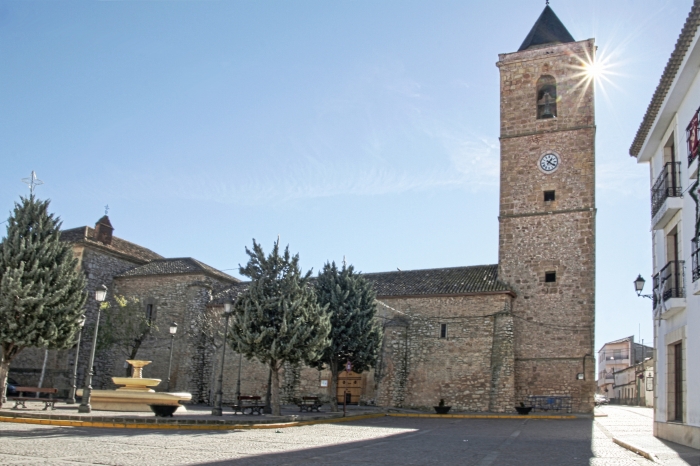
(616, 356)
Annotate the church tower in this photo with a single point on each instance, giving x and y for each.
(547, 211)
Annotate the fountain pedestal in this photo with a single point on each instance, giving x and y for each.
(136, 394)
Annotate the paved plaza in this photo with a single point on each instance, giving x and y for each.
(385, 440)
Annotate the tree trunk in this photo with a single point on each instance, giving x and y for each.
(275, 391)
(334, 387)
(4, 370)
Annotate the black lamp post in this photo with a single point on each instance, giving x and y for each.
(100, 295)
(173, 331)
(639, 286)
(71, 399)
(217, 409)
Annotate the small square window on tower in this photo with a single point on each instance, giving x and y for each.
(443, 330)
(550, 277)
(549, 196)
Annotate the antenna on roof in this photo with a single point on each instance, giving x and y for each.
(32, 182)
(343, 260)
(106, 209)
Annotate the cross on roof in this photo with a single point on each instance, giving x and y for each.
(32, 182)
(107, 209)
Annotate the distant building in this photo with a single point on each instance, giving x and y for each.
(616, 356)
(667, 140)
(634, 385)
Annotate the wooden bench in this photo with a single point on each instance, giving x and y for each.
(252, 404)
(22, 398)
(309, 404)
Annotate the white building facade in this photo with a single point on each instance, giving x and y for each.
(668, 141)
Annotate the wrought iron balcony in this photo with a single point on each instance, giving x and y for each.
(696, 263)
(691, 138)
(668, 283)
(668, 184)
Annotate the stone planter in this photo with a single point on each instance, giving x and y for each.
(442, 409)
(163, 410)
(523, 410)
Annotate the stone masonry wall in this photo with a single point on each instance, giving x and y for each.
(553, 322)
(471, 369)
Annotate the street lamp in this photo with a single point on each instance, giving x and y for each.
(173, 331)
(71, 400)
(217, 409)
(639, 286)
(100, 295)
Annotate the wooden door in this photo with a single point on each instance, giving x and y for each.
(350, 386)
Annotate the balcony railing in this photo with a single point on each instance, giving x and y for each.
(668, 184)
(696, 263)
(669, 282)
(691, 137)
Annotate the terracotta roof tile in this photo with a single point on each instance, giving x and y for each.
(427, 282)
(181, 265)
(86, 234)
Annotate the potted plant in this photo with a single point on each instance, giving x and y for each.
(441, 408)
(522, 409)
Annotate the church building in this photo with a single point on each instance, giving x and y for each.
(483, 338)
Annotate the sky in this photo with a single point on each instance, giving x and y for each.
(358, 129)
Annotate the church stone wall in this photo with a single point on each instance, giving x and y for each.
(471, 369)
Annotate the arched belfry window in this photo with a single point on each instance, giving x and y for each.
(546, 97)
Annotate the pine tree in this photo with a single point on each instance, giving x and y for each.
(355, 335)
(42, 292)
(278, 319)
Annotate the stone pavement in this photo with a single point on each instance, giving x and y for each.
(634, 426)
(583, 441)
(194, 414)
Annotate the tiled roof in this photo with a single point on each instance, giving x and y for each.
(548, 29)
(427, 282)
(86, 235)
(445, 281)
(669, 75)
(181, 265)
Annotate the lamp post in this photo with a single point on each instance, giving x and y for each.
(71, 400)
(639, 286)
(100, 295)
(217, 409)
(173, 331)
(238, 382)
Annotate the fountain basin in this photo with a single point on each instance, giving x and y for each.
(132, 400)
(134, 384)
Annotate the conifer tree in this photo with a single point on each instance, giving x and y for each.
(355, 335)
(278, 319)
(42, 292)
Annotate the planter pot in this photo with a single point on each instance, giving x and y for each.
(442, 409)
(163, 410)
(523, 410)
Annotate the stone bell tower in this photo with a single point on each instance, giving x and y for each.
(547, 211)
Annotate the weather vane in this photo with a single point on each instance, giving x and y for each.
(107, 209)
(32, 182)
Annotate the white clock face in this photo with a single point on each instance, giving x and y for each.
(549, 162)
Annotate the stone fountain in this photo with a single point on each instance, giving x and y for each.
(136, 393)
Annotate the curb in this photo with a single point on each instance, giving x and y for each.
(484, 416)
(219, 425)
(635, 449)
(163, 426)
